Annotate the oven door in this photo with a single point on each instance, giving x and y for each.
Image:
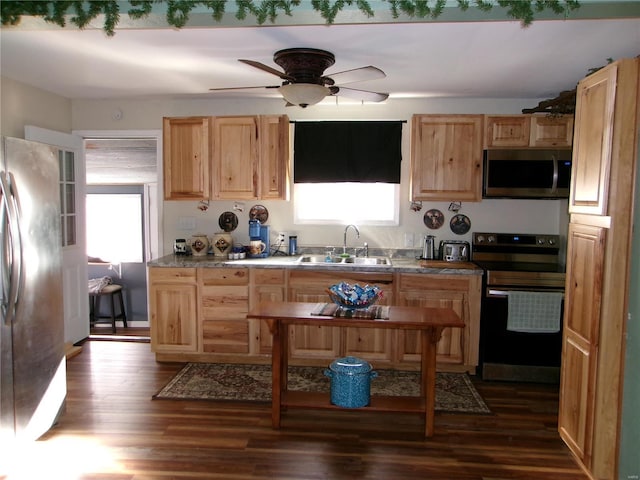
(515, 356)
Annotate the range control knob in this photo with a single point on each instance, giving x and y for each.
(552, 241)
(480, 239)
(491, 239)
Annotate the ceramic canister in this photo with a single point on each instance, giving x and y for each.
(350, 382)
(221, 244)
(199, 245)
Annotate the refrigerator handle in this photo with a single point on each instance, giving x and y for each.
(11, 248)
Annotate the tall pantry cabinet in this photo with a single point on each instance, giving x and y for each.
(605, 158)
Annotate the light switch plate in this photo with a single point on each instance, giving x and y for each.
(186, 223)
(408, 240)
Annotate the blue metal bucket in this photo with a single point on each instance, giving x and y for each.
(350, 382)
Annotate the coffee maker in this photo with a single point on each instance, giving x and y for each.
(259, 232)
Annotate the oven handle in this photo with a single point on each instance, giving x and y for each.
(504, 292)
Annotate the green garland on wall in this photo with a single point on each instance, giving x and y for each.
(81, 13)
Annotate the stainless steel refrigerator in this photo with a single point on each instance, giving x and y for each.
(32, 360)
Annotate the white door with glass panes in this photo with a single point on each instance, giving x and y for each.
(74, 251)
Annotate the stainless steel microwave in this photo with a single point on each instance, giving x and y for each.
(526, 173)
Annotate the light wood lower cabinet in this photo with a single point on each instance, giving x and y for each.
(200, 315)
(224, 304)
(173, 297)
(308, 343)
(457, 348)
(264, 284)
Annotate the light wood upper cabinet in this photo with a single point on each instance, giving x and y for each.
(503, 131)
(446, 157)
(274, 157)
(235, 158)
(551, 131)
(226, 158)
(594, 136)
(528, 131)
(186, 158)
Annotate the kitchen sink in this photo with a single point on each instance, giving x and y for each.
(337, 260)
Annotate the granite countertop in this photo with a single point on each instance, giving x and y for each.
(399, 265)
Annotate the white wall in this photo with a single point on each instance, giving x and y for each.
(521, 216)
(26, 105)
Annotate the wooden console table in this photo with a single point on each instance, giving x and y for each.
(429, 321)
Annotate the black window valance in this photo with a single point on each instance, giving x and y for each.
(346, 151)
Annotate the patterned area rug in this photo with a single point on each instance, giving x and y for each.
(218, 381)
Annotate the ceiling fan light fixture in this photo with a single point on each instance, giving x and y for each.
(303, 94)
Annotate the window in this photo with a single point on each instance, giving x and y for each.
(68, 214)
(346, 202)
(347, 172)
(114, 226)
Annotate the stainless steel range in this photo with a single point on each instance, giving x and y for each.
(519, 268)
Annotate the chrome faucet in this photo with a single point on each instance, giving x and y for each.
(344, 243)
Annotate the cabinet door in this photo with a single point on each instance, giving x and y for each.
(593, 143)
(328, 343)
(186, 158)
(173, 310)
(374, 344)
(265, 285)
(224, 300)
(583, 298)
(451, 345)
(507, 131)
(551, 131)
(235, 158)
(312, 342)
(274, 157)
(446, 157)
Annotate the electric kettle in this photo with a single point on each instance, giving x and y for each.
(428, 249)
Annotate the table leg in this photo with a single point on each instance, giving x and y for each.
(276, 371)
(284, 359)
(428, 375)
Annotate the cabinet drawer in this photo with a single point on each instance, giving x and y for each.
(224, 276)
(225, 337)
(225, 302)
(267, 276)
(172, 275)
(433, 282)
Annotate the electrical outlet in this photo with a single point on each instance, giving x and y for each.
(281, 237)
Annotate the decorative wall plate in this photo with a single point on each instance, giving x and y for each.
(460, 224)
(258, 212)
(433, 218)
(228, 221)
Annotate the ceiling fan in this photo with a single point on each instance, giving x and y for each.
(304, 80)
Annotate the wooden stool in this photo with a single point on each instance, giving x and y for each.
(94, 307)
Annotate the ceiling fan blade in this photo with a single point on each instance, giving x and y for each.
(242, 88)
(357, 75)
(364, 95)
(266, 68)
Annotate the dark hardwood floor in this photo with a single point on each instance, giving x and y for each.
(112, 429)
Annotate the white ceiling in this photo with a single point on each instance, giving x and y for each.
(473, 59)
